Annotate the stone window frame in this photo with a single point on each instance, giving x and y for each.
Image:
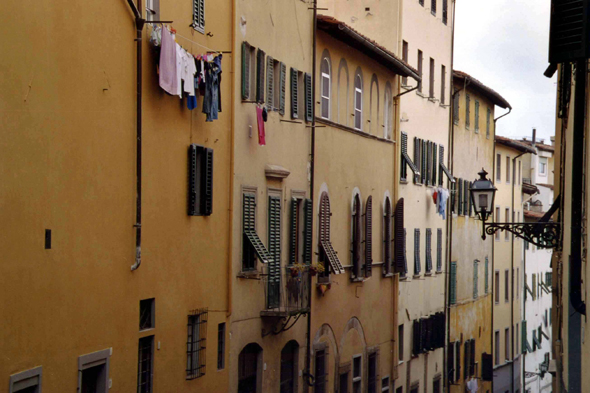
(92, 360)
(26, 379)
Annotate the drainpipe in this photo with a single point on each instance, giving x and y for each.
(577, 307)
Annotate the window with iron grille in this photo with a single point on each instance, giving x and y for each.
(145, 365)
(199, 16)
(196, 343)
(147, 317)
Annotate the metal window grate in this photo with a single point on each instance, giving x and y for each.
(196, 343)
(145, 364)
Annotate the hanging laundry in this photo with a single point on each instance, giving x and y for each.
(261, 133)
(168, 63)
(442, 197)
(211, 99)
(434, 194)
(179, 56)
(187, 73)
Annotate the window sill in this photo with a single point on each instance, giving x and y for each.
(439, 272)
(428, 274)
(419, 93)
(388, 275)
(249, 274)
(433, 100)
(352, 130)
(403, 181)
(416, 276)
(357, 279)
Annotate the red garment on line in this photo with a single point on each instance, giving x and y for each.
(261, 134)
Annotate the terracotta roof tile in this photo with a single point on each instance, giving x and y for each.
(496, 98)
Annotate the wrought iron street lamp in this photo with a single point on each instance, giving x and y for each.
(543, 233)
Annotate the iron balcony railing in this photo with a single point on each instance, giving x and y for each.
(286, 292)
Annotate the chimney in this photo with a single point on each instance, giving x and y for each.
(552, 140)
(534, 136)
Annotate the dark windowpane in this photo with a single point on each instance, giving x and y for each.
(145, 365)
(221, 346)
(288, 366)
(248, 368)
(372, 383)
(320, 372)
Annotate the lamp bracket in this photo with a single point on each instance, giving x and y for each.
(542, 234)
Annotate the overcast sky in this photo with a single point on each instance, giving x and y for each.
(504, 44)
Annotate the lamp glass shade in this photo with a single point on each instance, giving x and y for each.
(482, 196)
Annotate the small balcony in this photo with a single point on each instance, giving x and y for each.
(286, 293)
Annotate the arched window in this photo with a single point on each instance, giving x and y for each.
(356, 236)
(343, 94)
(388, 113)
(326, 88)
(249, 370)
(289, 367)
(374, 106)
(358, 101)
(326, 256)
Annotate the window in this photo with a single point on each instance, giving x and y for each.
(147, 314)
(445, 11)
(27, 381)
(344, 381)
(200, 182)
(507, 170)
(274, 249)
(467, 111)
(486, 276)
(145, 364)
(498, 167)
(404, 58)
(300, 231)
(289, 366)
(356, 237)
(506, 285)
(420, 69)
(221, 346)
(456, 98)
(401, 262)
(296, 95)
(387, 215)
(260, 73)
(418, 157)
(543, 166)
(417, 263)
(320, 371)
(534, 283)
(497, 219)
(372, 373)
(497, 287)
(326, 88)
(476, 116)
(467, 360)
(93, 373)
(488, 119)
(248, 71)
(249, 370)
(358, 102)
(196, 344)
(252, 246)
(439, 250)
(436, 385)
(507, 343)
(507, 219)
(199, 16)
(460, 197)
(152, 10)
(369, 237)
(433, 7)
(431, 76)
(356, 373)
(428, 250)
(400, 342)
(327, 255)
(475, 278)
(385, 385)
(388, 113)
(443, 78)
(453, 284)
(275, 85)
(519, 178)
(497, 348)
(517, 282)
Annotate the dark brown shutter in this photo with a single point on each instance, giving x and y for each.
(487, 367)
(451, 362)
(466, 361)
(400, 246)
(192, 180)
(307, 231)
(417, 337)
(441, 161)
(568, 31)
(472, 358)
(293, 233)
(458, 361)
(369, 237)
(387, 237)
(208, 182)
(356, 236)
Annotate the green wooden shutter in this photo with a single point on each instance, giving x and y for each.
(424, 157)
(417, 159)
(260, 76)
(274, 248)
(283, 89)
(270, 83)
(294, 95)
(439, 250)
(475, 278)
(453, 283)
(460, 198)
(245, 70)
(208, 180)
(369, 237)
(487, 274)
(308, 98)
(307, 232)
(465, 197)
(417, 262)
(249, 208)
(293, 233)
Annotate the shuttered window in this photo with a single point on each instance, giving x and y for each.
(260, 67)
(453, 284)
(458, 361)
(467, 111)
(406, 160)
(270, 83)
(327, 254)
(476, 116)
(470, 200)
(417, 337)
(433, 7)
(443, 167)
(466, 197)
(417, 262)
(475, 278)
(439, 250)
(294, 94)
(358, 102)
(456, 98)
(424, 157)
(445, 11)
(401, 265)
(326, 87)
(487, 367)
(451, 362)
(420, 58)
(199, 15)
(434, 155)
(251, 243)
(308, 98)
(283, 88)
(488, 120)
(460, 198)
(417, 159)
(387, 214)
(245, 70)
(369, 237)
(466, 360)
(274, 248)
(428, 250)
(428, 171)
(486, 276)
(356, 237)
(294, 230)
(200, 181)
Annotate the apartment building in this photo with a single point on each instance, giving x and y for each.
(469, 350)
(538, 175)
(508, 265)
(113, 278)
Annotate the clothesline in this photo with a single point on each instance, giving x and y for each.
(196, 43)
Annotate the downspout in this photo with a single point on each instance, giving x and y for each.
(449, 223)
(231, 167)
(577, 306)
(309, 378)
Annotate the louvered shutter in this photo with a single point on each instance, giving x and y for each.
(249, 207)
(417, 263)
(417, 159)
(453, 284)
(356, 237)
(444, 12)
(199, 15)
(424, 157)
(424, 335)
(245, 70)
(404, 149)
(293, 233)
(208, 180)
(400, 241)
(387, 261)
(434, 164)
(465, 197)
(466, 360)
(475, 278)
(192, 180)
(441, 161)
(460, 198)
(294, 95)
(274, 248)
(439, 250)
(453, 197)
(307, 231)
(428, 162)
(472, 358)
(569, 30)
(308, 98)
(260, 76)
(325, 243)
(283, 89)
(405, 267)
(451, 362)
(525, 344)
(486, 276)
(470, 200)
(369, 237)
(417, 337)
(428, 250)
(270, 83)
(487, 367)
